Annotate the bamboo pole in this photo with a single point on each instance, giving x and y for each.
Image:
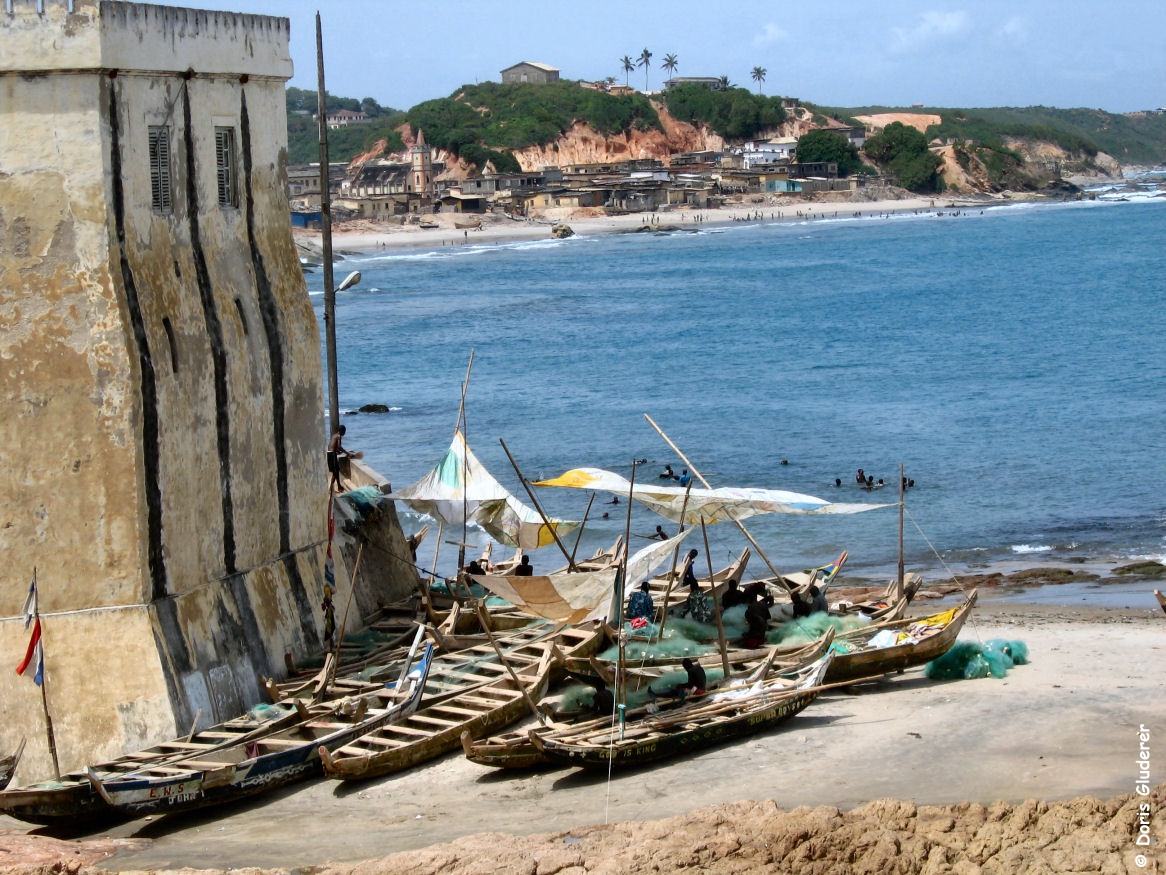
(621, 680)
(716, 605)
(582, 526)
(675, 556)
(538, 507)
(740, 525)
(330, 671)
(461, 428)
(902, 501)
(44, 681)
(436, 551)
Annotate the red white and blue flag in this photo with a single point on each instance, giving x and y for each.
(34, 657)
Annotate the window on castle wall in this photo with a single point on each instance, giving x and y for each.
(225, 167)
(159, 150)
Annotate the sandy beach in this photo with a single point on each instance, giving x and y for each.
(366, 236)
(1062, 727)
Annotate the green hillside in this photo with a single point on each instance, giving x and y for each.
(484, 122)
(1138, 138)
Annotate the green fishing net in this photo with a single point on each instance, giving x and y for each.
(264, 713)
(579, 697)
(969, 659)
(806, 629)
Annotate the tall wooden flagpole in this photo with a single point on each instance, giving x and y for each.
(326, 240)
(44, 694)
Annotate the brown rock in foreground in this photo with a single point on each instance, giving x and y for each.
(883, 837)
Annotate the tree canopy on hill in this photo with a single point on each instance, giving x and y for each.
(826, 145)
(303, 132)
(516, 116)
(904, 151)
(734, 113)
(1138, 138)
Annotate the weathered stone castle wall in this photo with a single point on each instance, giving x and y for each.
(161, 439)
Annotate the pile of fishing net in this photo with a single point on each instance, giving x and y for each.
(969, 659)
(684, 636)
(357, 506)
(581, 697)
(265, 713)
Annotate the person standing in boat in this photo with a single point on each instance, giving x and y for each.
(756, 620)
(733, 596)
(697, 605)
(696, 682)
(523, 568)
(640, 604)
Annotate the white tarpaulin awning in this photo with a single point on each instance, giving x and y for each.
(575, 596)
(460, 489)
(710, 505)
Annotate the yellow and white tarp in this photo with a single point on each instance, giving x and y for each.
(576, 596)
(461, 490)
(710, 505)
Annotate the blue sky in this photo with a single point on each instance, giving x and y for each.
(1101, 54)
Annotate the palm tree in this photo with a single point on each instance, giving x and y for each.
(628, 66)
(670, 64)
(645, 61)
(758, 76)
(725, 86)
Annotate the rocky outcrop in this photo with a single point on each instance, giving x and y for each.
(583, 145)
(883, 837)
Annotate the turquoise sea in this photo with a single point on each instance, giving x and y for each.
(1013, 360)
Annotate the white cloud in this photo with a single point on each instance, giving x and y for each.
(932, 26)
(1015, 30)
(770, 33)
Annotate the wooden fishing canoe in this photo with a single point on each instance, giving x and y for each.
(477, 705)
(436, 729)
(1161, 598)
(516, 750)
(677, 594)
(921, 640)
(924, 639)
(8, 764)
(741, 661)
(73, 800)
(888, 606)
(262, 764)
(697, 723)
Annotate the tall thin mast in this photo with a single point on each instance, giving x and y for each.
(43, 681)
(902, 501)
(461, 427)
(326, 230)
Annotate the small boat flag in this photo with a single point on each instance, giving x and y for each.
(35, 654)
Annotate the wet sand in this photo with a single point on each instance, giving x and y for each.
(1063, 726)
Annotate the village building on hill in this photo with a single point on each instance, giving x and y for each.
(530, 71)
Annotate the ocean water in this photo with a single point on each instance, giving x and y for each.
(1012, 360)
